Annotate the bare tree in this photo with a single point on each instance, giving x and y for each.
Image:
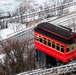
(26, 6)
(19, 57)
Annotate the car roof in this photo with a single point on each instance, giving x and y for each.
(56, 30)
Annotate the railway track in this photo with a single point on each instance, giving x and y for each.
(37, 13)
(53, 71)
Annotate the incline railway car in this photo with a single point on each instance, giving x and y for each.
(56, 41)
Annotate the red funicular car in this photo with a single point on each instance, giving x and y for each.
(56, 41)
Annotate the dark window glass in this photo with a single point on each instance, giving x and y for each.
(67, 50)
(45, 41)
(62, 48)
(57, 46)
(37, 37)
(53, 44)
(40, 39)
(49, 43)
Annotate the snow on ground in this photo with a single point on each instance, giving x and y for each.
(12, 28)
(5, 32)
(9, 5)
(16, 26)
(2, 56)
(72, 8)
(40, 1)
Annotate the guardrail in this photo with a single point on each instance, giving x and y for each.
(53, 71)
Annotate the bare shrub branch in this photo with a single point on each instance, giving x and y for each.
(19, 57)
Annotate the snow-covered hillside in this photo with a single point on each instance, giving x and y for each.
(9, 5)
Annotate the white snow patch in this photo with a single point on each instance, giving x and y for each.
(2, 56)
(8, 5)
(41, 1)
(16, 26)
(12, 28)
(5, 32)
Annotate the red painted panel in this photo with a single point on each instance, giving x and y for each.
(50, 51)
(64, 44)
(71, 54)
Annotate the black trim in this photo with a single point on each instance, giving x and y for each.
(50, 35)
(55, 29)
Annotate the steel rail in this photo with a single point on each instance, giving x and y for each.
(53, 71)
(51, 9)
